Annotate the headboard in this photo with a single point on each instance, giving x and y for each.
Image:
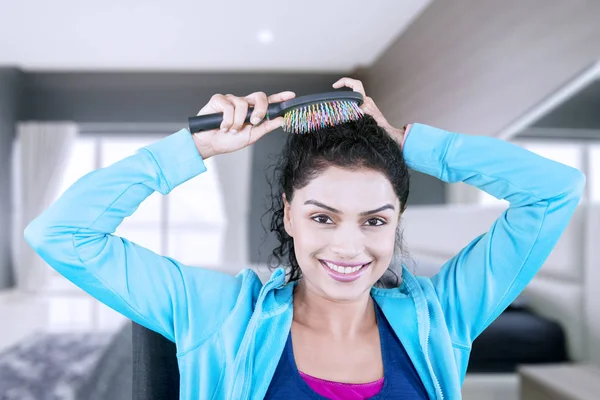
(434, 234)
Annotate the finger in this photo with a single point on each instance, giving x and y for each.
(240, 113)
(268, 126)
(353, 84)
(260, 102)
(282, 96)
(220, 103)
(368, 104)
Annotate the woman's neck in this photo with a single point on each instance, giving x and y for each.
(340, 319)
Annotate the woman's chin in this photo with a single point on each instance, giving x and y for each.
(342, 287)
(346, 291)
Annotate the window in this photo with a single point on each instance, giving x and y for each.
(567, 153)
(188, 224)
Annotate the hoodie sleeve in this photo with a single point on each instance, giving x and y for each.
(477, 284)
(75, 236)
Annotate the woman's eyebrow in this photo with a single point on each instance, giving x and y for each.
(333, 210)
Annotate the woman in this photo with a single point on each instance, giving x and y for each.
(328, 331)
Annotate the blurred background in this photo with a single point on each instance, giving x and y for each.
(83, 85)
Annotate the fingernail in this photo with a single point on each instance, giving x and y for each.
(255, 120)
(233, 130)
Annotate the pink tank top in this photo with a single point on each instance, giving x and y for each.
(342, 391)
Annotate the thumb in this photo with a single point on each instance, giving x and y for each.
(273, 124)
(268, 126)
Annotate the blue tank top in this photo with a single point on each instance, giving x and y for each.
(401, 380)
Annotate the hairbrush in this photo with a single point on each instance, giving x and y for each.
(301, 114)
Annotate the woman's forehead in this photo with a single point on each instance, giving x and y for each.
(349, 189)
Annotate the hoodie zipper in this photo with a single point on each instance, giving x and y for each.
(248, 366)
(252, 325)
(435, 379)
(436, 382)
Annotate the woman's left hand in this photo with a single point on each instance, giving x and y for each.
(369, 107)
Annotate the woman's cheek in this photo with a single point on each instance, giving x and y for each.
(382, 241)
(316, 238)
(309, 235)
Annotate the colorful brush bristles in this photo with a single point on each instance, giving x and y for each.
(311, 117)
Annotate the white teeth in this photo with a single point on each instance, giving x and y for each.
(342, 270)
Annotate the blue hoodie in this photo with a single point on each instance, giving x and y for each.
(230, 331)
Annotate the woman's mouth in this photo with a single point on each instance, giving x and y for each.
(344, 274)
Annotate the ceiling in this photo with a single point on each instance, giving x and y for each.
(312, 35)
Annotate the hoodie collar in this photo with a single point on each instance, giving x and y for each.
(278, 294)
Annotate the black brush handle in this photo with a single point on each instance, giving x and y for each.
(213, 121)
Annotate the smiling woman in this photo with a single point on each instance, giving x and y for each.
(320, 327)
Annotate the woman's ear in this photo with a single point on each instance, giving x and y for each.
(287, 216)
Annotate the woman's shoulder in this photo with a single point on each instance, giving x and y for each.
(215, 296)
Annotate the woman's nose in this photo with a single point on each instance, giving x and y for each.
(347, 242)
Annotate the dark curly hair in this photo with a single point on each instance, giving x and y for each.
(355, 145)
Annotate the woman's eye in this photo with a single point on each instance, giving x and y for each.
(321, 219)
(375, 222)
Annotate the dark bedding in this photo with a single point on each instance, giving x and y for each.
(517, 336)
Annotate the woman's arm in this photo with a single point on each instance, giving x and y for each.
(476, 285)
(75, 236)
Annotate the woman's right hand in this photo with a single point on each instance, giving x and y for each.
(234, 134)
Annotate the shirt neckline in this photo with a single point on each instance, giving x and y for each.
(289, 348)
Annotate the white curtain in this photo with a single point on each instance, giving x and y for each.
(40, 158)
(235, 173)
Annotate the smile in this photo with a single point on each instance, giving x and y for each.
(343, 273)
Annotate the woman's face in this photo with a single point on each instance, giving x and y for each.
(343, 224)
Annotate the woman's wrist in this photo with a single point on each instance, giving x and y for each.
(399, 134)
(405, 134)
